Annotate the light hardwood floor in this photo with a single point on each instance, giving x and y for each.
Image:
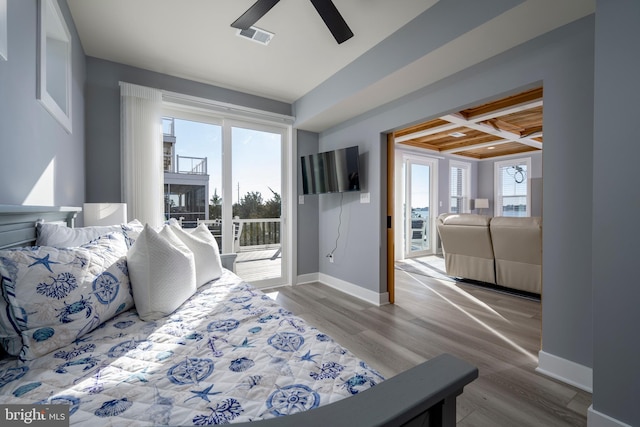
(498, 333)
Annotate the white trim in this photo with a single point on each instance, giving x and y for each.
(292, 206)
(354, 290)
(49, 10)
(409, 159)
(466, 184)
(228, 110)
(3, 30)
(565, 370)
(303, 279)
(598, 419)
(420, 152)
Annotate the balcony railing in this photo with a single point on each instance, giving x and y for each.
(191, 165)
(258, 233)
(248, 234)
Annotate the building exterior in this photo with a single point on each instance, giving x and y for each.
(186, 181)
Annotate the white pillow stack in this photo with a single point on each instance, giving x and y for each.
(162, 271)
(205, 251)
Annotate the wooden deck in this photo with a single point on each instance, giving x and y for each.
(259, 264)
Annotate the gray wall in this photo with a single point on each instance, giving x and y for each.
(30, 138)
(307, 242)
(563, 62)
(103, 118)
(616, 203)
(352, 228)
(427, 32)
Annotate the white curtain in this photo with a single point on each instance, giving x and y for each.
(141, 150)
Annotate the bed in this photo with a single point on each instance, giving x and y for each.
(227, 354)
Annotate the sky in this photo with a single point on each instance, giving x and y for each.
(256, 156)
(420, 175)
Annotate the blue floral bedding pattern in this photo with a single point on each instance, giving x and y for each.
(229, 354)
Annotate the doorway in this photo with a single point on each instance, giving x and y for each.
(416, 201)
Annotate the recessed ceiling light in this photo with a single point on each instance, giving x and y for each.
(491, 148)
(457, 134)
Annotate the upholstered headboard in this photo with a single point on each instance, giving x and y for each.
(18, 223)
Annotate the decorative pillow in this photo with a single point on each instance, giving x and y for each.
(57, 295)
(162, 271)
(205, 252)
(10, 339)
(58, 235)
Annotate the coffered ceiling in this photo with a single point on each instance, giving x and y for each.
(510, 125)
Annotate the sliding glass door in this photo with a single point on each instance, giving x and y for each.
(257, 183)
(229, 174)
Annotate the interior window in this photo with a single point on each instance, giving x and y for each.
(459, 187)
(513, 192)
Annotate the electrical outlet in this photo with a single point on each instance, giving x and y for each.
(330, 258)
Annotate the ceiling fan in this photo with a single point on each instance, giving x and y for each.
(327, 10)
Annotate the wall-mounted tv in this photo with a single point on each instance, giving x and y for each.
(333, 171)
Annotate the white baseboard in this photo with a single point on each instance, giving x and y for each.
(566, 371)
(598, 419)
(354, 290)
(307, 278)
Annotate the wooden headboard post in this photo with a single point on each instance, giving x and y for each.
(18, 222)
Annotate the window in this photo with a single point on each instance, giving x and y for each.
(54, 63)
(459, 187)
(513, 194)
(190, 150)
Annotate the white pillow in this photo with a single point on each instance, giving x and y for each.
(61, 236)
(162, 272)
(205, 251)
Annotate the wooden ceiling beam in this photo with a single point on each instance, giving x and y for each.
(519, 99)
(426, 132)
(486, 115)
(532, 132)
(509, 136)
(421, 145)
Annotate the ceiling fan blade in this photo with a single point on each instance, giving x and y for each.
(333, 20)
(255, 12)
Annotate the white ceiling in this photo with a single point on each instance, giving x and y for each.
(193, 39)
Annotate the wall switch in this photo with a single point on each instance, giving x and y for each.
(365, 197)
(301, 200)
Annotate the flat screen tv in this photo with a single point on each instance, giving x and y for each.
(333, 171)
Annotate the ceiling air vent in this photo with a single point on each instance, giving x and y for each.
(257, 35)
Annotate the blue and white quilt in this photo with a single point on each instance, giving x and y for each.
(229, 354)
